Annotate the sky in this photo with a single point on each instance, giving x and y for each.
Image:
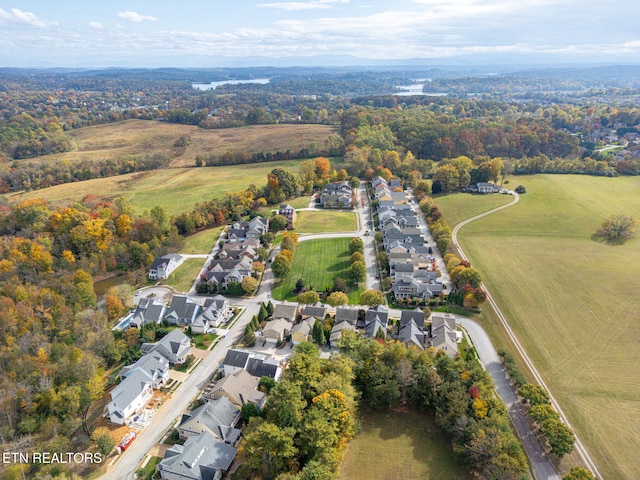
(218, 33)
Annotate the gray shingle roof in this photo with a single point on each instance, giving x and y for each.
(198, 454)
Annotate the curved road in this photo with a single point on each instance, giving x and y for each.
(579, 447)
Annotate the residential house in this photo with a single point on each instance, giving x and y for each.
(416, 316)
(130, 396)
(215, 312)
(162, 267)
(239, 388)
(411, 334)
(234, 361)
(395, 183)
(376, 320)
(218, 417)
(175, 346)
(378, 181)
(183, 310)
(154, 364)
(336, 195)
(484, 187)
(443, 333)
(289, 213)
(148, 311)
(202, 457)
(405, 287)
(276, 330)
(286, 310)
(338, 329)
(318, 310)
(347, 314)
(302, 331)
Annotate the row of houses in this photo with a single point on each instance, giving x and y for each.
(183, 310)
(235, 260)
(149, 373)
(337, 195)
(411, 265)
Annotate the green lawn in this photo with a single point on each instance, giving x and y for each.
(322, 221)
(201, 242)
(317, 262)
(461, 206)
(184, 276)
(149, 469)
(174, 189)
(300, 202)
(573, 302)
(394, 445)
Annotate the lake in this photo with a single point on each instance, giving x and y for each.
(214, 85)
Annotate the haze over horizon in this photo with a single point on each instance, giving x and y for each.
(146, 33)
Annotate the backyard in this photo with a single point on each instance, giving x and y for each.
(571, 300)
(399, 445)
(317, 262)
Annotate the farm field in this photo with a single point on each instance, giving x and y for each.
(317, 262)
(573, 302)
(395, 445)
(141, 137)
(184, 276)
(174, 189)
(201, 242)
(321, 221)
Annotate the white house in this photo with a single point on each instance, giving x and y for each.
(162, 267)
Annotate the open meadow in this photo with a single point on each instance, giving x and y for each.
(317, 262)
(141, 137)
(174, 189)
(323, 221)
(201, 242)
(399, 445)
(572, 301)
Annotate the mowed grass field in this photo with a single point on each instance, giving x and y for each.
(317, 262)
(321, 221)
(134, 137)
(461, 206)
(572, 301)
(174, 189)
(393, 445)
(184, 276)
(201, 242)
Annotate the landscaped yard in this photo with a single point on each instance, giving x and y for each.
(201, 242)
(183, 277)
(146, 473)
(396, 445)
(323, 221)
(572, 301)
(317, 262)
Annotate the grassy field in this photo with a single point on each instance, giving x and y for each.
(573, 302)
(174, 189)
(317, 262)
(461, 206)
(399, 446)
(184, 276)
(321, 221)
(134, 137)
(201, 242)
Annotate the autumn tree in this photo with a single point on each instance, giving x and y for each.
(281, 266)
(617, 229)
(356, 245)
(277, 223)
(249, 284)
(357, 272)
(104, 440)
(269, 447)
(308, 298)
(579, 473)
(336, 299)
(372, 298)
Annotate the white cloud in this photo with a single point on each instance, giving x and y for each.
(136, 17)
(97, 25)
(297, 6)
(26, 18)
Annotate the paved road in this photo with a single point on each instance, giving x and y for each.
(168, 414)
(579, 446)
